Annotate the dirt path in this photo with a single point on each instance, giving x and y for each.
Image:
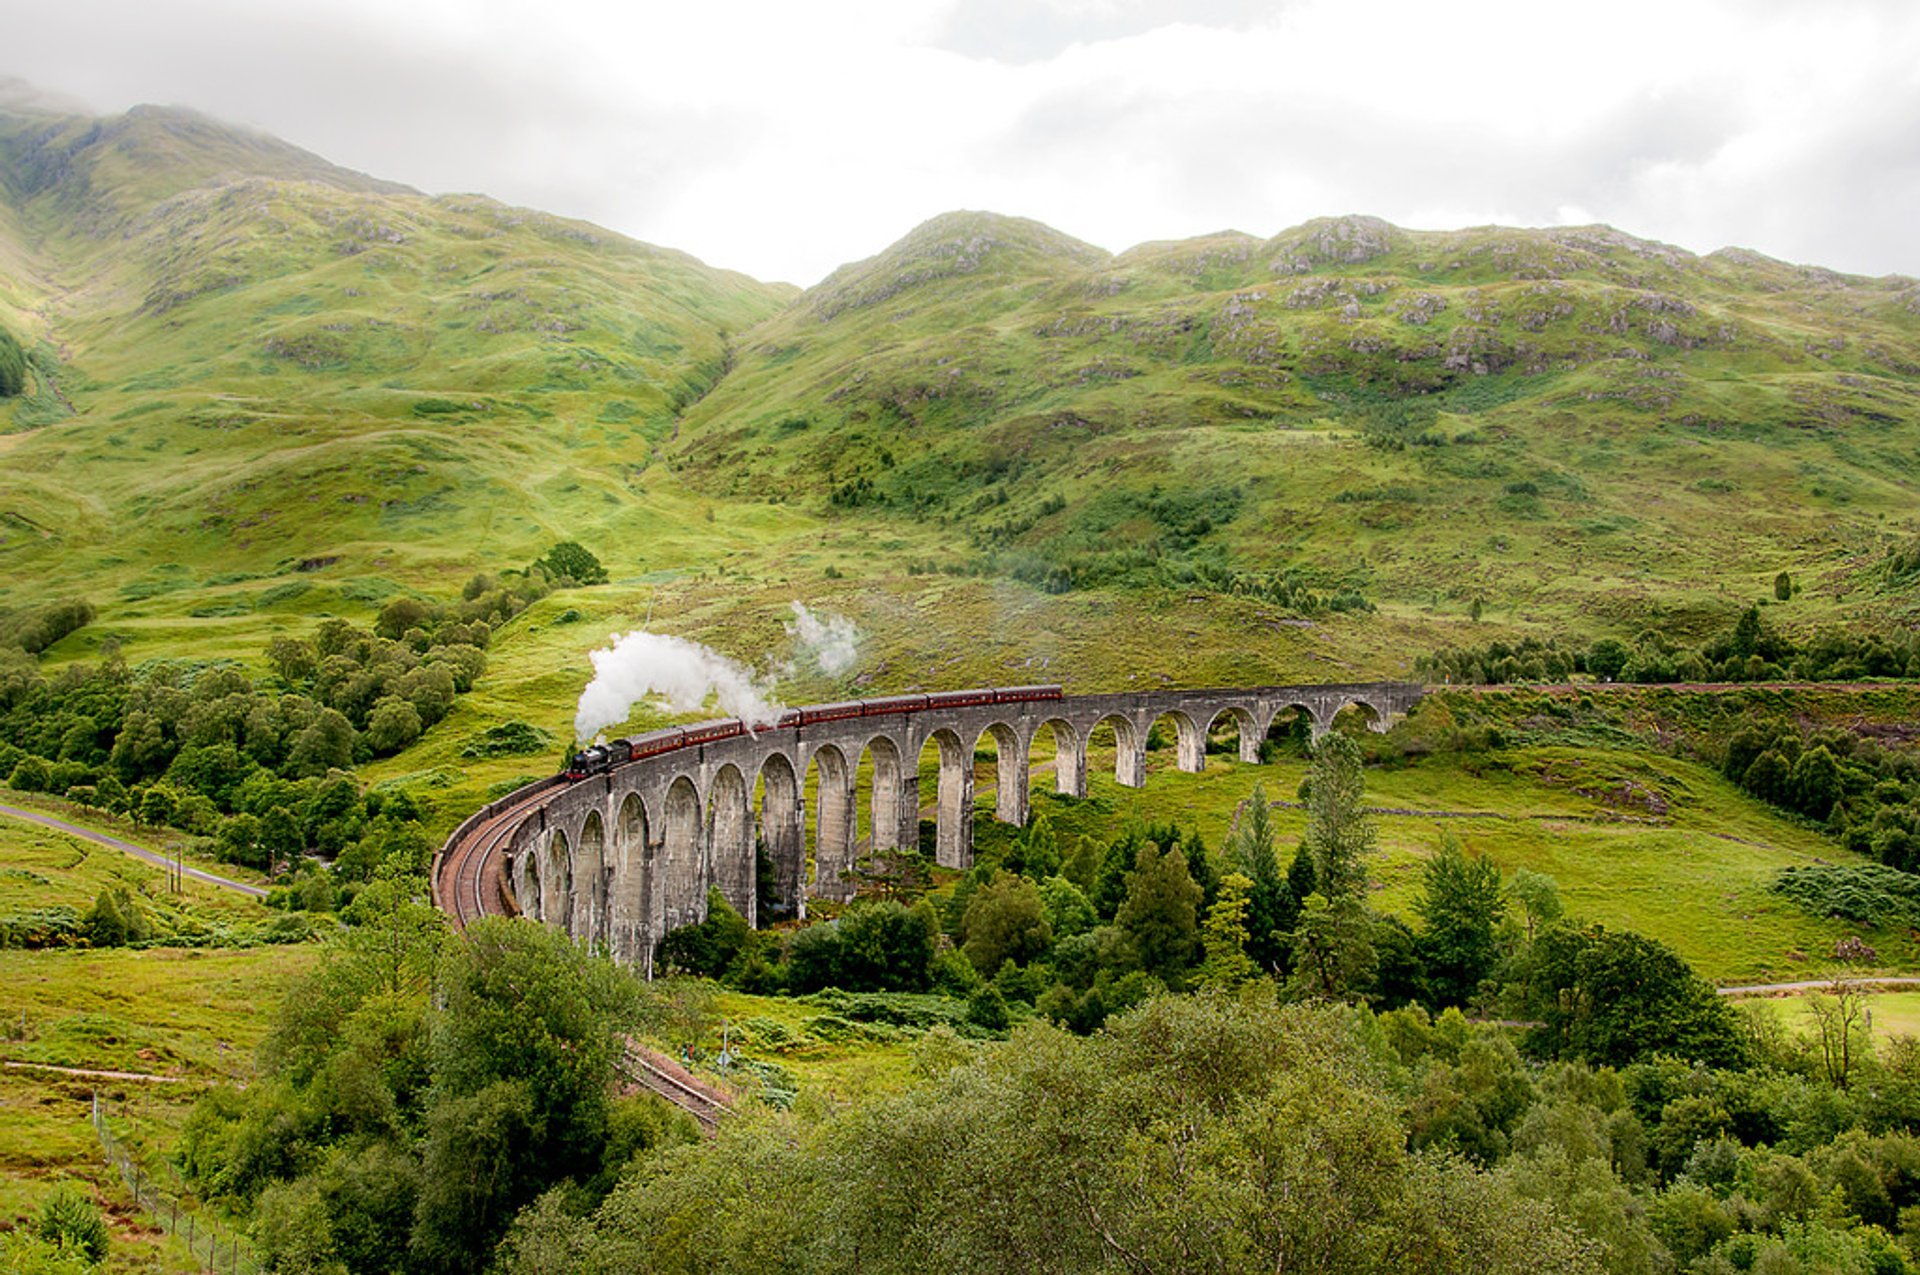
(1819, 985)
(154, 857)
(89, 1073)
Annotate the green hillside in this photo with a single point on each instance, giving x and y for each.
(242, 367)
(1564, 422)
(243, 359)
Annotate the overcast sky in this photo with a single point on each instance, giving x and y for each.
(785, 138)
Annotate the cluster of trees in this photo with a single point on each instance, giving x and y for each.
(1216, 1132)
(1867, 795)
(259, 766)
(1144, 539)
(1151, 567)
(1749, 651)
(431, 1103)
(436, 1104)
(416, 1091)
(34, 629)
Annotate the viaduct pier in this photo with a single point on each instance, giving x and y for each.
(623, 856)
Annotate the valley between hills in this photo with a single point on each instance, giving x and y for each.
(272, 430)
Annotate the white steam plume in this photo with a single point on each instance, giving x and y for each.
(827, 641)
(685, 674)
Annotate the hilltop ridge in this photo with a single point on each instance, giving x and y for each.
(327, 361)
(96, 175)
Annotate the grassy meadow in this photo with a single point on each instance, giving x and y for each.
(192, 1016)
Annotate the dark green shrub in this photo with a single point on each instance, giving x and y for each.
(508, 739)
(1870, 893)
(574, 563)
(13, 366)
(986, 1008)
(68, 1219)
(710, 946)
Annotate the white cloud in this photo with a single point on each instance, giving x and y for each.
(784, 139)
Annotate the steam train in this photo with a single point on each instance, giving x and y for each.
(604, 757)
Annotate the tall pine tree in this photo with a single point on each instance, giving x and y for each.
(1271, 906)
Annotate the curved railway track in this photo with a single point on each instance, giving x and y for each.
(697, 1101)
(466, 877)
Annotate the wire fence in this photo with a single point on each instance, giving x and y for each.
(220, 1250)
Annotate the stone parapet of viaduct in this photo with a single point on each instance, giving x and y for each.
(622, 857)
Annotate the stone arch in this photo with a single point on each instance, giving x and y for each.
(783, 832)
(1069, 758)
(1247, 730)
(1363, 709)
(730, 839)
(589, 872)
(524, 868)
(1294, 727)
(680, 872)
(835, 823)
(627, 904)
(1009, 772)
(1190, 743)
(953, 801)
(1129, 749)
(556, 881)
(889, 793)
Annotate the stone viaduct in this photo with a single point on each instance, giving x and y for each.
(622, 857)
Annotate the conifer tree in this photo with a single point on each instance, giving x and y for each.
(1333, 952)
(1161, 912)
(1459, 904)
(1227, 965)
(1271, 906)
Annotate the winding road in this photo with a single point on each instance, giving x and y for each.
(154, 857)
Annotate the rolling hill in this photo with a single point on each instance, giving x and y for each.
(998, 448)
(1568, 422)
(244, 358)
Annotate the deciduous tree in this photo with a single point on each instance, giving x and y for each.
(1006, 920)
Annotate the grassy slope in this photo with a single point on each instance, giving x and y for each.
(1693, 876)
(985, 366)
(288, 364)
(44, 868)
(192, 1014)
